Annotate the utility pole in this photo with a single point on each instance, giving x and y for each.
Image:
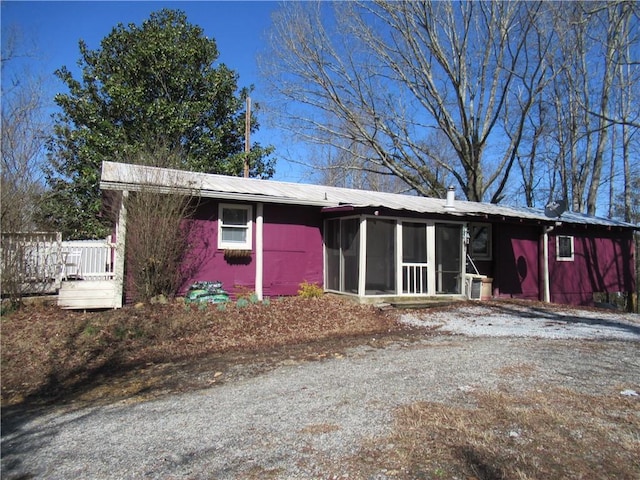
(247, 131)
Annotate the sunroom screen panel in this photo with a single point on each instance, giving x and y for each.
(332, 239)
(350, 243)
(380, 257)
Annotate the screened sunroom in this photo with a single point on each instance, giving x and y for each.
(377, 256)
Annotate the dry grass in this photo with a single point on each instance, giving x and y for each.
(54, 355)
(320, 428)
(51, 354)
(556, 433)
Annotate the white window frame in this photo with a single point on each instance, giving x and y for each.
(247, 243)
(482, 256)
(563, 258)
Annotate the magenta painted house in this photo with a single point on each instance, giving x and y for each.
(268, 237)
(228, 238)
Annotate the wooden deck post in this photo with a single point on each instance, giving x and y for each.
(121, 235)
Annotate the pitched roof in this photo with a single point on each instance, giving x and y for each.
(122, 176)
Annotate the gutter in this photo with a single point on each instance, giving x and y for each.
(546, 295)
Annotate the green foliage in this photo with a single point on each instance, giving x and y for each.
(90, 330)
(8, 306)
(149, 85)
(245, 296)
(310, 290)
(242, 302)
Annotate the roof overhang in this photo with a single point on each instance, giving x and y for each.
(129, 177)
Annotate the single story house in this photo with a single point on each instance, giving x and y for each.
(269, 237)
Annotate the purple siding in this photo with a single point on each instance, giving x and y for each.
(603, 262)
(292, 246)
(206, 262)
(516, 261)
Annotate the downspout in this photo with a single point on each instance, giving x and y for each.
(545, 263)
(259, 251)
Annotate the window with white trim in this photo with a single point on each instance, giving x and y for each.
(234, 226)
(480, 241)
(564, 248)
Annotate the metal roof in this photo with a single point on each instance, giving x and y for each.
(122, 176)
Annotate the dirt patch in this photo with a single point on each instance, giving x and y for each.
(51, 355)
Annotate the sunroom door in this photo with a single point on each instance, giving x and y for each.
(448, 258)
(342, 239)
(414, 259)
(380, 266)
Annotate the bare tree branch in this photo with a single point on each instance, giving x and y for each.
(389, 73)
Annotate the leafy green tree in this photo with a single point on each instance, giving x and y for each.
(149, 86)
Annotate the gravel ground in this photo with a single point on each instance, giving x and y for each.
(304, 419)
(513, 320)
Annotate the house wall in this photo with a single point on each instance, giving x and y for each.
(603, 262)
(292, 246)
(293, 252)
(205, 262)
(516, 271)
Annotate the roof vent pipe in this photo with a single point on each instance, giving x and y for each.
(451, 198)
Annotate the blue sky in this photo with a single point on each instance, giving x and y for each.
(53, 29)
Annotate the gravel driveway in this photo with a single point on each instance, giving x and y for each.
(302, 419)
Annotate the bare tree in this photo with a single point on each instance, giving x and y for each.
(628, 77)
(347, 164)
(594, 39)
(390, 73)
(158, 232)
(24, 129)
(28, 265)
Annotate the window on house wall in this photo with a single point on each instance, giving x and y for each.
(480, 241)
(564, 248)
(234, 227)
(350, 246)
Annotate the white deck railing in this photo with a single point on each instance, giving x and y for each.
(31, 257)
(87, 259)
(414, 278)
(40, 261)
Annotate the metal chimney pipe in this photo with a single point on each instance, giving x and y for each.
(451, 198)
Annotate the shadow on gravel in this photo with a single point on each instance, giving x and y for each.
(112, 379)
(563, 316)
(18, 443)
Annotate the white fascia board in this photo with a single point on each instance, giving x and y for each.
(195, 192)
